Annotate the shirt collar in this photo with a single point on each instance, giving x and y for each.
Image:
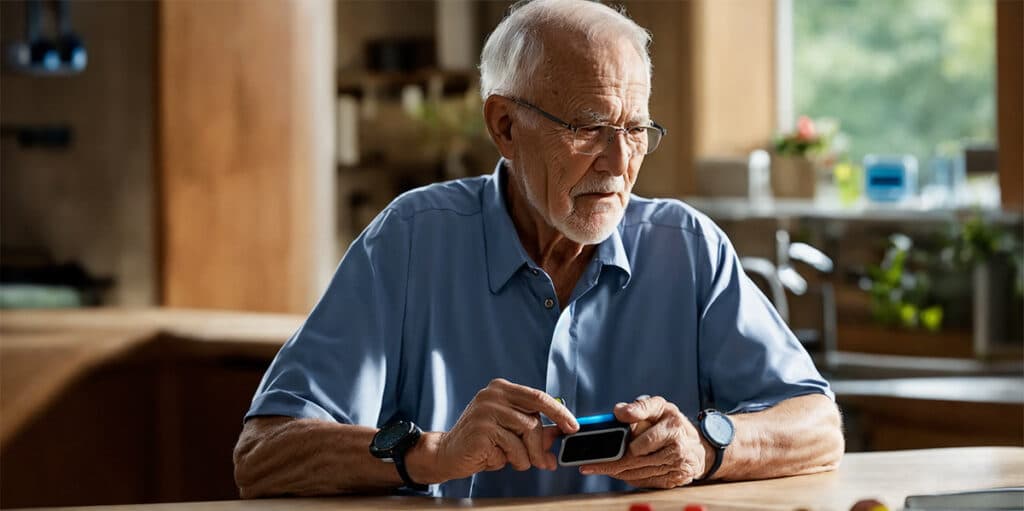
(612, 253)
(505, 254)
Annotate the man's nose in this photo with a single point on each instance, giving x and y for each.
(615, 157)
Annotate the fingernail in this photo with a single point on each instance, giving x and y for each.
(586, 471)
(620, 405)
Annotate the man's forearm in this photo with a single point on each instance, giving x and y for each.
(285, 456)
(802, 435)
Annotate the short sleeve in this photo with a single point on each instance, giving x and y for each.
(342, 363)
(749, 358)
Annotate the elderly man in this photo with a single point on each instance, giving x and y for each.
(466, 306)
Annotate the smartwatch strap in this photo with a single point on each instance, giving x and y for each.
(404, 474)
(719, 455)
(719, 449)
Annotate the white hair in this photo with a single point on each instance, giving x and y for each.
(515, 48)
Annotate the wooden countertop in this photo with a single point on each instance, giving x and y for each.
(199, 325)
(887, 476)
(42, 352)
(968, 389)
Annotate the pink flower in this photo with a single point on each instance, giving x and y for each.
(805, 128)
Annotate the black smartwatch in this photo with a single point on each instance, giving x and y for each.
(717, 429)
(392, 442)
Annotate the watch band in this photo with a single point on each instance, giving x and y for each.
(404, 474)
(392, 450)
(719, 444)
(719, 455)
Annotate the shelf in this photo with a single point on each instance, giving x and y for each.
(871, 338)
(850, 366)
(745, 209)
(390, 168)
(391, 82)
(948, 343)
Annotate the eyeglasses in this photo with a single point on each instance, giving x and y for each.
(594, 138)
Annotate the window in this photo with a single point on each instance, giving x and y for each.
(901, 76)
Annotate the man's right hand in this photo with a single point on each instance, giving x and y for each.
(501, 426)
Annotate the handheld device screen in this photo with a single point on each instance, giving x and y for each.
(593, 446)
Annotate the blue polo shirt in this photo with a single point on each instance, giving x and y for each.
(437, 297)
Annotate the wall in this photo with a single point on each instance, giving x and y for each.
(246, 160)
(365, 20)
(668, 171)
(733, 69)
(92, 202)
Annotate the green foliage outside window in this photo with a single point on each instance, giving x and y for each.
(901, 76)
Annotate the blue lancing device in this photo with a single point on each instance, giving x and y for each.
(600, 438)
(596, 419)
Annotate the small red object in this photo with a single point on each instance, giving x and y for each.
(694, 507)
(640, 506)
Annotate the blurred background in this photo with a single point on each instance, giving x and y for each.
(178, 180)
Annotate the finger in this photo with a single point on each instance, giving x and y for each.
(531, 400)
(627, 462)
(659, 435)
(649, 408)
(497, 461)
(665, 481)
(669, 456)
(529, 428)
(640, 427)
(514, 449)
(648, 472)
(539, 457)
(636, 427)
(513, 420)
(550, 435)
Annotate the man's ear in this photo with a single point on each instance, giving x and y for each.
(498, 119)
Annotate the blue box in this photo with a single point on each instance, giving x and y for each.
(890, 178)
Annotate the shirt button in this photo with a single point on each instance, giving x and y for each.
(535, 272)
(548, 303)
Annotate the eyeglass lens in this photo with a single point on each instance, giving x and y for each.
(594, 139)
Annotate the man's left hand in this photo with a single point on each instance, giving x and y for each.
(668, 453)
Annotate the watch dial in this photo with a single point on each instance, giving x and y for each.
(718, 428)
(390, 436)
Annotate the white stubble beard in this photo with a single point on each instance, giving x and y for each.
(577, 229)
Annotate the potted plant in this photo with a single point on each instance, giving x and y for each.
(901, 288)
(799, 154)
(994, 256)
(971, 275)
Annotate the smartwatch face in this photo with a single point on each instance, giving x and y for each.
(718, 429)
(389, 437)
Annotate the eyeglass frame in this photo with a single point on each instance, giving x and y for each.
(574, 128)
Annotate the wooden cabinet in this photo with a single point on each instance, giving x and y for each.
(127, 406)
